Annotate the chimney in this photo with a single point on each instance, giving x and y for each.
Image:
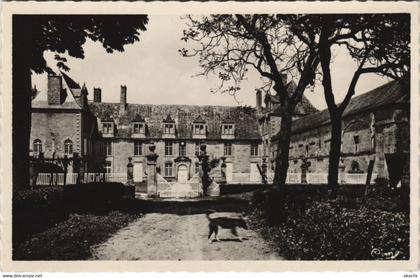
(123, 98)
(54, 89)
(259, 101)
(83, 96)
(97, 95)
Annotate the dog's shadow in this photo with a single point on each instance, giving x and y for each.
(230, 239)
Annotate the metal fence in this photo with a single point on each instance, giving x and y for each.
(58, 178)
(237, 178)
(322, 178)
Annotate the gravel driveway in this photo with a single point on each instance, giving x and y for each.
(160, 236)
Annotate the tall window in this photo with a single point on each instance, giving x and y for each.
(168, 169)
(138, 148)
(68, 147)
(356, 143)
(169, 129)
(107, 128)
(108, 148)
(138, 128)
(254, 149)
(227, 129)
(197, 147)
(200, 129)
(228, 149)
(168, 148)
(37, 146)
(182, 149)
(108, 168)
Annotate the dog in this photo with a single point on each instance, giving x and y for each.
(232, 223)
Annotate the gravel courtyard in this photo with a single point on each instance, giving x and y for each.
(163, 236)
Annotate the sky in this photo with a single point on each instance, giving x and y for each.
(155, 73)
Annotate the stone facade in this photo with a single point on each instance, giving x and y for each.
(62, 126)
(177, 146)
(375, 130)
(107, 135)
(115, 132)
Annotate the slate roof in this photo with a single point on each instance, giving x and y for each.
(72, 100)
(304, 107)
(387, 94)
(244, 118)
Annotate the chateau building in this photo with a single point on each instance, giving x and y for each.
(63, 125)
(177, 132)
(107, 135)
(117, 132)
(375, 131)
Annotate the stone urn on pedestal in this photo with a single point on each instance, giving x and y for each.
(152, 189)
(205, 168)
(130, 179)
(223, 169)
(264, 171)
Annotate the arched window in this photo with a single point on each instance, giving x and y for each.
(37, 146)
(68, 147)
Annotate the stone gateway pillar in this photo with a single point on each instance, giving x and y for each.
(204, 173)
(151, 172)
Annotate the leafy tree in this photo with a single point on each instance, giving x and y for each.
(228, 46)
(379, 43)
(35, 34)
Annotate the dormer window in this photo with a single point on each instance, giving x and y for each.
(228, 129)
(200, 129)
(107, 128)
(138, 128)
(169, 128)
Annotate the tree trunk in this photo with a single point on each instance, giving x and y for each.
(335, 150)
(282, 156)
(21, 105)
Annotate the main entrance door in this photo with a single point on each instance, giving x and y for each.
(138, 172)
(182, 174)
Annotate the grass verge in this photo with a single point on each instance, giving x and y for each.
(73, 238)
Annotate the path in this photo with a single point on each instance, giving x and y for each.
(163, 236)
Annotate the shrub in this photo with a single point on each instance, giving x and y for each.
(214, 163)
(35, 210)
(94, 197)
(72, 239)
(329, 231)
(279, 203)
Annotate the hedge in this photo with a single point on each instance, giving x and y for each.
(36, 210)
(94, 197)
(328, 230)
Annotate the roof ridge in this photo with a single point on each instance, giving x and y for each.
(185, 105)
(317, 119)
